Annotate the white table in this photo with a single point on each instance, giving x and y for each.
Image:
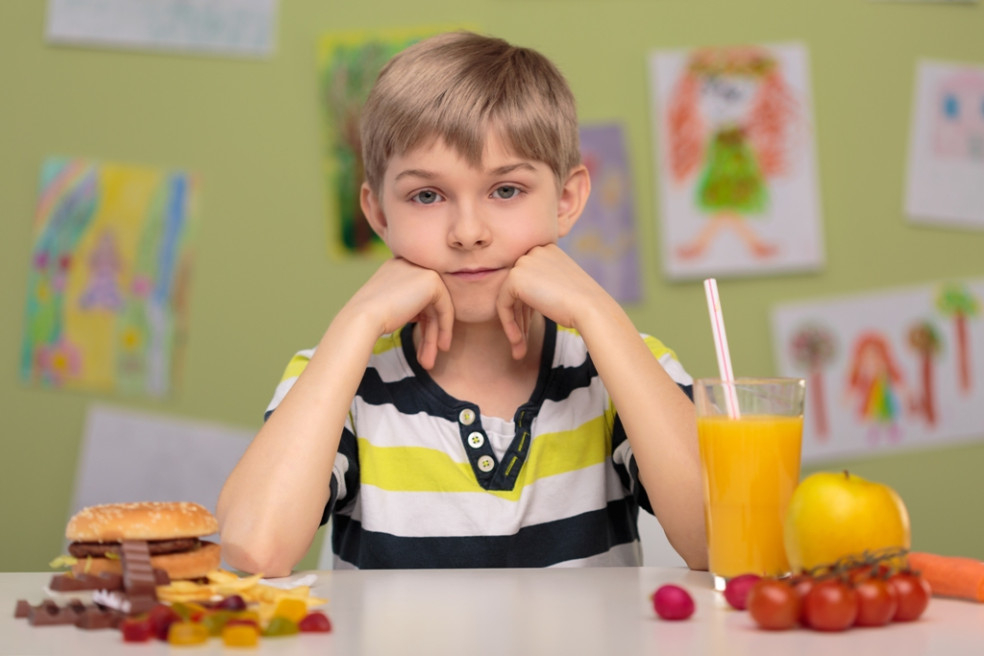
(599, 612)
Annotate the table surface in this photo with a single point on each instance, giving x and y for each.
(598, 611)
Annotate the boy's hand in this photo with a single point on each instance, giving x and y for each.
(547, 280)
(400, 292)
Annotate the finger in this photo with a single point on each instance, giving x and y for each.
(444, 319)
(428, 341)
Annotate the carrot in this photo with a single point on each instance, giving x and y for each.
(950, 576)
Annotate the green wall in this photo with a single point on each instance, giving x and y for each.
(264, 286)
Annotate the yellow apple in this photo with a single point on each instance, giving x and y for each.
(834, 515)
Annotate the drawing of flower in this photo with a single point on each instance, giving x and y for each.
(924, 338)
(59, 362)
(956, 301)
(813, 348)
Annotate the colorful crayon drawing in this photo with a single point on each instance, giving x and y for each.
(875, 386)
(956, 302)
(925, 340)
(107, 293)
(958, 122)
(946, 146)
(903, 378)
(347, 68)
(736, 160)
(603, 241)
(812, 349)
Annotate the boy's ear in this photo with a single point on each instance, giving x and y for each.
(573, 196)
(373, 210)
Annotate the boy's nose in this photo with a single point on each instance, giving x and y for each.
(468, 229)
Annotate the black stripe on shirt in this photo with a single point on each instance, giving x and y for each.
(582, 536)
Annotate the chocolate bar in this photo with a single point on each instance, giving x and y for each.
(94, 617)
(48, 613)
(138, 574)
(76, 582)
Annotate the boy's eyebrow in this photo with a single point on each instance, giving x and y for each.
(430, 175)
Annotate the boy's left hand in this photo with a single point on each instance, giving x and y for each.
(547, 280)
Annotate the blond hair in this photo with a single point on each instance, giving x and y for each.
(460, 87)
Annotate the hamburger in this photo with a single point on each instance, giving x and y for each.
(172, 530)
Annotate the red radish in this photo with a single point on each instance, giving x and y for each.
(737, 589)
(671, 602)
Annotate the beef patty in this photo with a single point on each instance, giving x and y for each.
(157, 547)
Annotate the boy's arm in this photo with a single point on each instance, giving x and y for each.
(271, 505)
(659, 420)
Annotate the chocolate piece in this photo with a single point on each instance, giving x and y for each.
(141, 604)
(75, 582)
(48, 613)
(94, 617)
(138, 574)
(23, 609)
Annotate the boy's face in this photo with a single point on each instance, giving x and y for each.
(470, 224)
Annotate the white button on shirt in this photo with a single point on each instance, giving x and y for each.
(486, 463)
(476, 440)
(467, 416)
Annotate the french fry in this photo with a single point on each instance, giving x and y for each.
(222, 583)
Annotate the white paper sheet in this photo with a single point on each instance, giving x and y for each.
(946, 146)
(220, 27)
(129, 455)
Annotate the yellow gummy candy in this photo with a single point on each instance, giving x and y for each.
(291, 609)
(240, 635)
(187, 633)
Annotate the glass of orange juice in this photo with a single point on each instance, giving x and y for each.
(750, 432)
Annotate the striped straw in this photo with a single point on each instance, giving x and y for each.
(721, 346)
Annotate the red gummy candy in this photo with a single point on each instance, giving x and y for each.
(315, 622)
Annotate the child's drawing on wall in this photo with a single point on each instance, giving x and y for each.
(924, 339)
(736, 155)
(603, 241)
(902, 376)
(106, 306)
(812, 348)
(876, 386)
(956, 302)
(946, 146)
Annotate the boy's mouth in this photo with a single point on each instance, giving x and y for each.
(473, 274)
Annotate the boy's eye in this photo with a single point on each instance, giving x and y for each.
(506, 191)
(426, 197)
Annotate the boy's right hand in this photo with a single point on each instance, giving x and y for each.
(400, 292)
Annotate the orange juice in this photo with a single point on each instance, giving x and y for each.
(750, 467)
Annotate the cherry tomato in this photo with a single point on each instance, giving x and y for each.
(831, 605)
(737, 589)
(802, 583)
(913, 592)
(773, 604)
(877, 602)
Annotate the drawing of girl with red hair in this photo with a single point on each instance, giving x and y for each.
(876, 382)
(729, 122)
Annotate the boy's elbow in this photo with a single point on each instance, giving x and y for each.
(256, 557)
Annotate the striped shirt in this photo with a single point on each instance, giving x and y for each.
(423, 479)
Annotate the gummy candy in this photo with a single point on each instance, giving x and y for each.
(136, 629)
(187, 633)
(280, 626)
(315, 622)
(291, 609)
(240, 635)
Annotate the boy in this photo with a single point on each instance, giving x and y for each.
(480, 401)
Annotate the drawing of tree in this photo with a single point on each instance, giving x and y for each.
(956, 301)
(924, 338)
(813, 348)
